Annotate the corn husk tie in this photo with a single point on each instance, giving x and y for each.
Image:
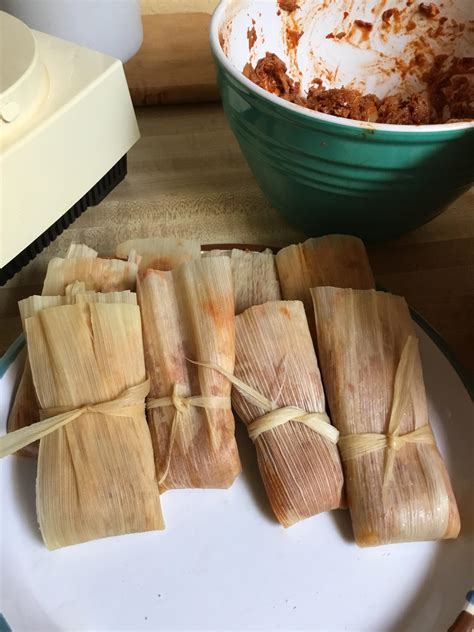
(181, 406)
(129, 403)
(275, 416)
(355, 445)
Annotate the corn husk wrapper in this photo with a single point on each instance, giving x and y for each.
(25, 406)
(160, 253)
(300, 469)
(361, 335)
(254, 276)
(96, 475)
(189, 313)
(333, 260)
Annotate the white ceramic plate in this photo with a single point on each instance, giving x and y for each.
(223, 563)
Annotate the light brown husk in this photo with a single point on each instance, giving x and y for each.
(300, 469)
(189, 313)
(160, 253)
(96, 475)
(360, 337)
(333, 260)
(254, 276)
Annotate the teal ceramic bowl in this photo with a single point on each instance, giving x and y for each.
(325, 174)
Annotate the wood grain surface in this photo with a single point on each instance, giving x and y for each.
(152, 7)
(174, 63)
(188, 178)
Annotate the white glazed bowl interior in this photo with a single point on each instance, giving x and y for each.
(373, 62)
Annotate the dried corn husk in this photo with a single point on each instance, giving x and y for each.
(25, 409)
(96, 475)
(33, 304)
(79, 272)
(80, 250)
(361, 336)
(300, 469)
(189, 313)
(254, 275)
(160, 253)
(98, 274)
(333, 260)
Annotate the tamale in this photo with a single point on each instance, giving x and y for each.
(96, 475)
(189, 314)
(254, 276)
(397, 485)
(80, 265)
(333, 260)
(160, 253)
(300, 468)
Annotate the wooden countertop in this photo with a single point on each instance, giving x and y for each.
(187, 178)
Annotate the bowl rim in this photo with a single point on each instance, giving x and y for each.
(391, 128)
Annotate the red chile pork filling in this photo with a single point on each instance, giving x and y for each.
(449, 95)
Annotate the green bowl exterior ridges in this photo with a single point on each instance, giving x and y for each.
(324, 177)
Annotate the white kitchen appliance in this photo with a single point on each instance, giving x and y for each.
(66, 125)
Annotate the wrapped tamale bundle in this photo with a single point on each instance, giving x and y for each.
(189, 314)
(254, 276)
(160, 253)
(333, 260)
(25, 409)
(96, 475)
(300, 467)
(397, 485)
(81, 265)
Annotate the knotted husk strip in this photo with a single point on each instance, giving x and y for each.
(189, 312)
(300, 469)
(96, 476)
(81, 266)
(254, 276)
(361, 336)
(333, 260)
(181, 406)
(128, 404)
(160, 253)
